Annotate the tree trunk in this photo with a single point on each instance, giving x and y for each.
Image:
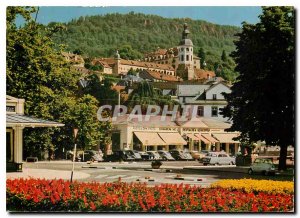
(282, 157)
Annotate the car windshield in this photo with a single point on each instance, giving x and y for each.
(211, 155)
(269, 161)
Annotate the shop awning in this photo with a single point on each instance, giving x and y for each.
(226, 137)
(149, 138)
(209, 137)
(202, 138)
(172, 138)
(14, 120)
(192, 136)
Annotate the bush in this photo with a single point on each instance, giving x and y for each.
(59, 195)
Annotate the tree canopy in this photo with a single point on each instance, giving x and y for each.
(37, 72)
(262, 102)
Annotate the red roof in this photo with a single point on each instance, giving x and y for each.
(203, 74)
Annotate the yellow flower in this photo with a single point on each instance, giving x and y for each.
(252, 185)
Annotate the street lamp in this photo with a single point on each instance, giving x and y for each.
(75, 131)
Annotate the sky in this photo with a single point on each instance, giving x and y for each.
(219, 15)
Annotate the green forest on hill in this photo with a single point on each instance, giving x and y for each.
(101, 35)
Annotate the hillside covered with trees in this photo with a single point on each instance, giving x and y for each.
(101, 35)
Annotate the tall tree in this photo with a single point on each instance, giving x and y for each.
(38, 73)
(201, 55)
(262, 102)
(224, 56)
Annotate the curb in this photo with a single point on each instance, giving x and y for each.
(94, 167)
(194, 179)
(159, 170)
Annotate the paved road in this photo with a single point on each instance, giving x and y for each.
(174, 172)
(171, 172)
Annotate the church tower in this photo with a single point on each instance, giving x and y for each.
(117, 63)
(185, 53)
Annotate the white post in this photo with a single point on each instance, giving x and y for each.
(74, 154)
(75, 135)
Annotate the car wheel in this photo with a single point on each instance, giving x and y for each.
(250, 171)
(205, 164)
(92, 159)
(266, 173)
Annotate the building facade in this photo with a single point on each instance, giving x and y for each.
(16, 121)
(206, 100)
(158, 134)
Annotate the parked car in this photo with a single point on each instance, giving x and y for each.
(154, 155)
(165, 155)
(178, 155)
(144, 155)
(203, 153)
(120, 156)
(262, 165)
(188, 155)
(137, 155)
(218, 158)
(195, 155)
(91, 155)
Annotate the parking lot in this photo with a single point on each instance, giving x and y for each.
(173, 172)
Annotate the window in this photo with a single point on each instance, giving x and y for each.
(182, 49)
(200, 111)
(187, 57)
(187, 49)
(182, 57)
(191, 49)
(214, 96)
(214, 111)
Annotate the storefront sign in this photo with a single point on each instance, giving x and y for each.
(194, 130)
(168, 129)
(144, 128)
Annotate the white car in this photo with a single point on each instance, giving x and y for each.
(262, 165)
(218, 158)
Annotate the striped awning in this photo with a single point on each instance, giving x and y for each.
(209, 137)
(202, 138)
(172, 138)
(226, 137)
(192, 136)
(149, 138)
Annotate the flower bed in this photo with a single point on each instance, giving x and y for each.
(59, 195)
(252, 185)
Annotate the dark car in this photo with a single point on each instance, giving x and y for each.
(120, 156)
(144, 155)
(166, 155)
(188, 155)
(178, 155)
(137, 155)
(90, 155)
(154, 155)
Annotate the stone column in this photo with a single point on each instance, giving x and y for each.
(227, 148)
(236, 147)
(218, 146)
(18, 144)
(191, 145)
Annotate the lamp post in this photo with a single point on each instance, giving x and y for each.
(74, 152)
